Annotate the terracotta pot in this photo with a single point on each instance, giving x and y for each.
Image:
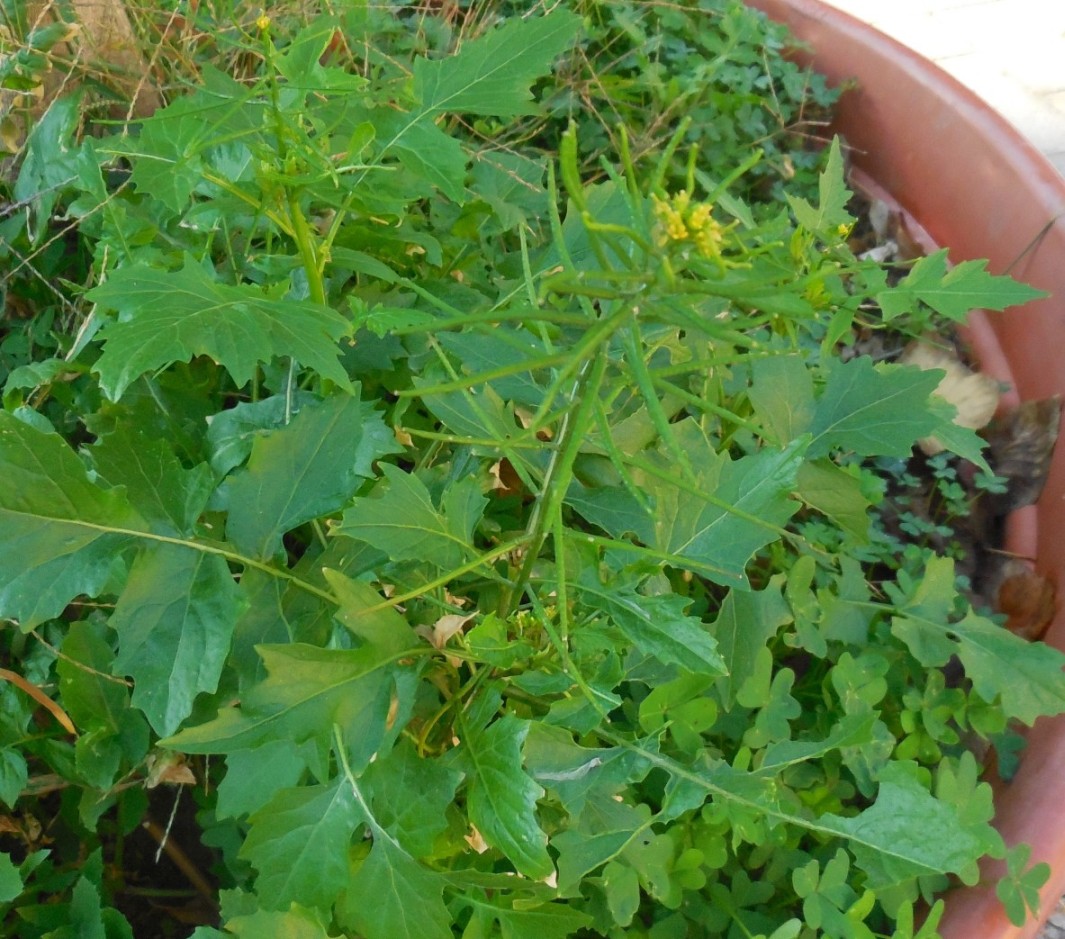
(970, 182)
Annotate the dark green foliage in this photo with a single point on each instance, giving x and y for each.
(453, 478)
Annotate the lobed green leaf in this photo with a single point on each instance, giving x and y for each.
(60, 534)
(172, 316)
(953, 292)
(298, 842)
(309, 468)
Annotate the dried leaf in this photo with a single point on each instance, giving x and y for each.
(164, 767)
(975, 396)
(476, 840)
(446, 627)
(1022, 444)
(505, 479)
(1027, 598)
(40, 697)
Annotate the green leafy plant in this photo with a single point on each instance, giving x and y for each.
(483, 533)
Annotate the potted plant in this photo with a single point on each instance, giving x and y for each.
(999, 200)
(490, 541)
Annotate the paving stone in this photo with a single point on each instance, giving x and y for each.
(1010, 52)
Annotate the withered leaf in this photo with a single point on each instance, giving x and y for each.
(1027, 598)
(1021, 446)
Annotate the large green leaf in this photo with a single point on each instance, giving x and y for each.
(954, 292)
(908, 833)
(735, 508)
(301, 62)
(747, 622)
(307, 690)
(427, 151)
(89, 695)
(1027, 676)
(59, 533)
(253, 777)
(833, 196)
(501, 797)
(410, 796)
(10, 880)
(167, 156)
(503, 347)
(231, 433)
(574, 774)
(360, 610)
(873, 410)
(519, 920)
(110, 731)
(656, 625)
(782, 392)
(853, 730)
(298, 842)
(305, 470)
(392, 896)
(294, 923)
(834, 492)
(491, 75)
(165, 493)
(750, 499)
(267, 620)
(172, 316)
(399, 518)
(605, 830)
(174, 622)
(48, 158)
(512, 184)
(87, 917)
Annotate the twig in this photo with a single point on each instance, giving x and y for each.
(181, 860)
(41, 698)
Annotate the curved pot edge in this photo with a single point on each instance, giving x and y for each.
(904, 118)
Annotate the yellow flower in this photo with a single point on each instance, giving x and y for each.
(681, 221)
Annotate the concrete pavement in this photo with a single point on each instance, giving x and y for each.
(1010, 52)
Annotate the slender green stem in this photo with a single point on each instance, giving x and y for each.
(659, 418)
(313, 264)
(482, 560)
(208, 548)
(560, 470)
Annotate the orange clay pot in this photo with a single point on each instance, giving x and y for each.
(968, 180)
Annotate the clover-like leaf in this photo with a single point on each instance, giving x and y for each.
(1027, 676)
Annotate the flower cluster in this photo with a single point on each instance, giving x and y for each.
(681, 220)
